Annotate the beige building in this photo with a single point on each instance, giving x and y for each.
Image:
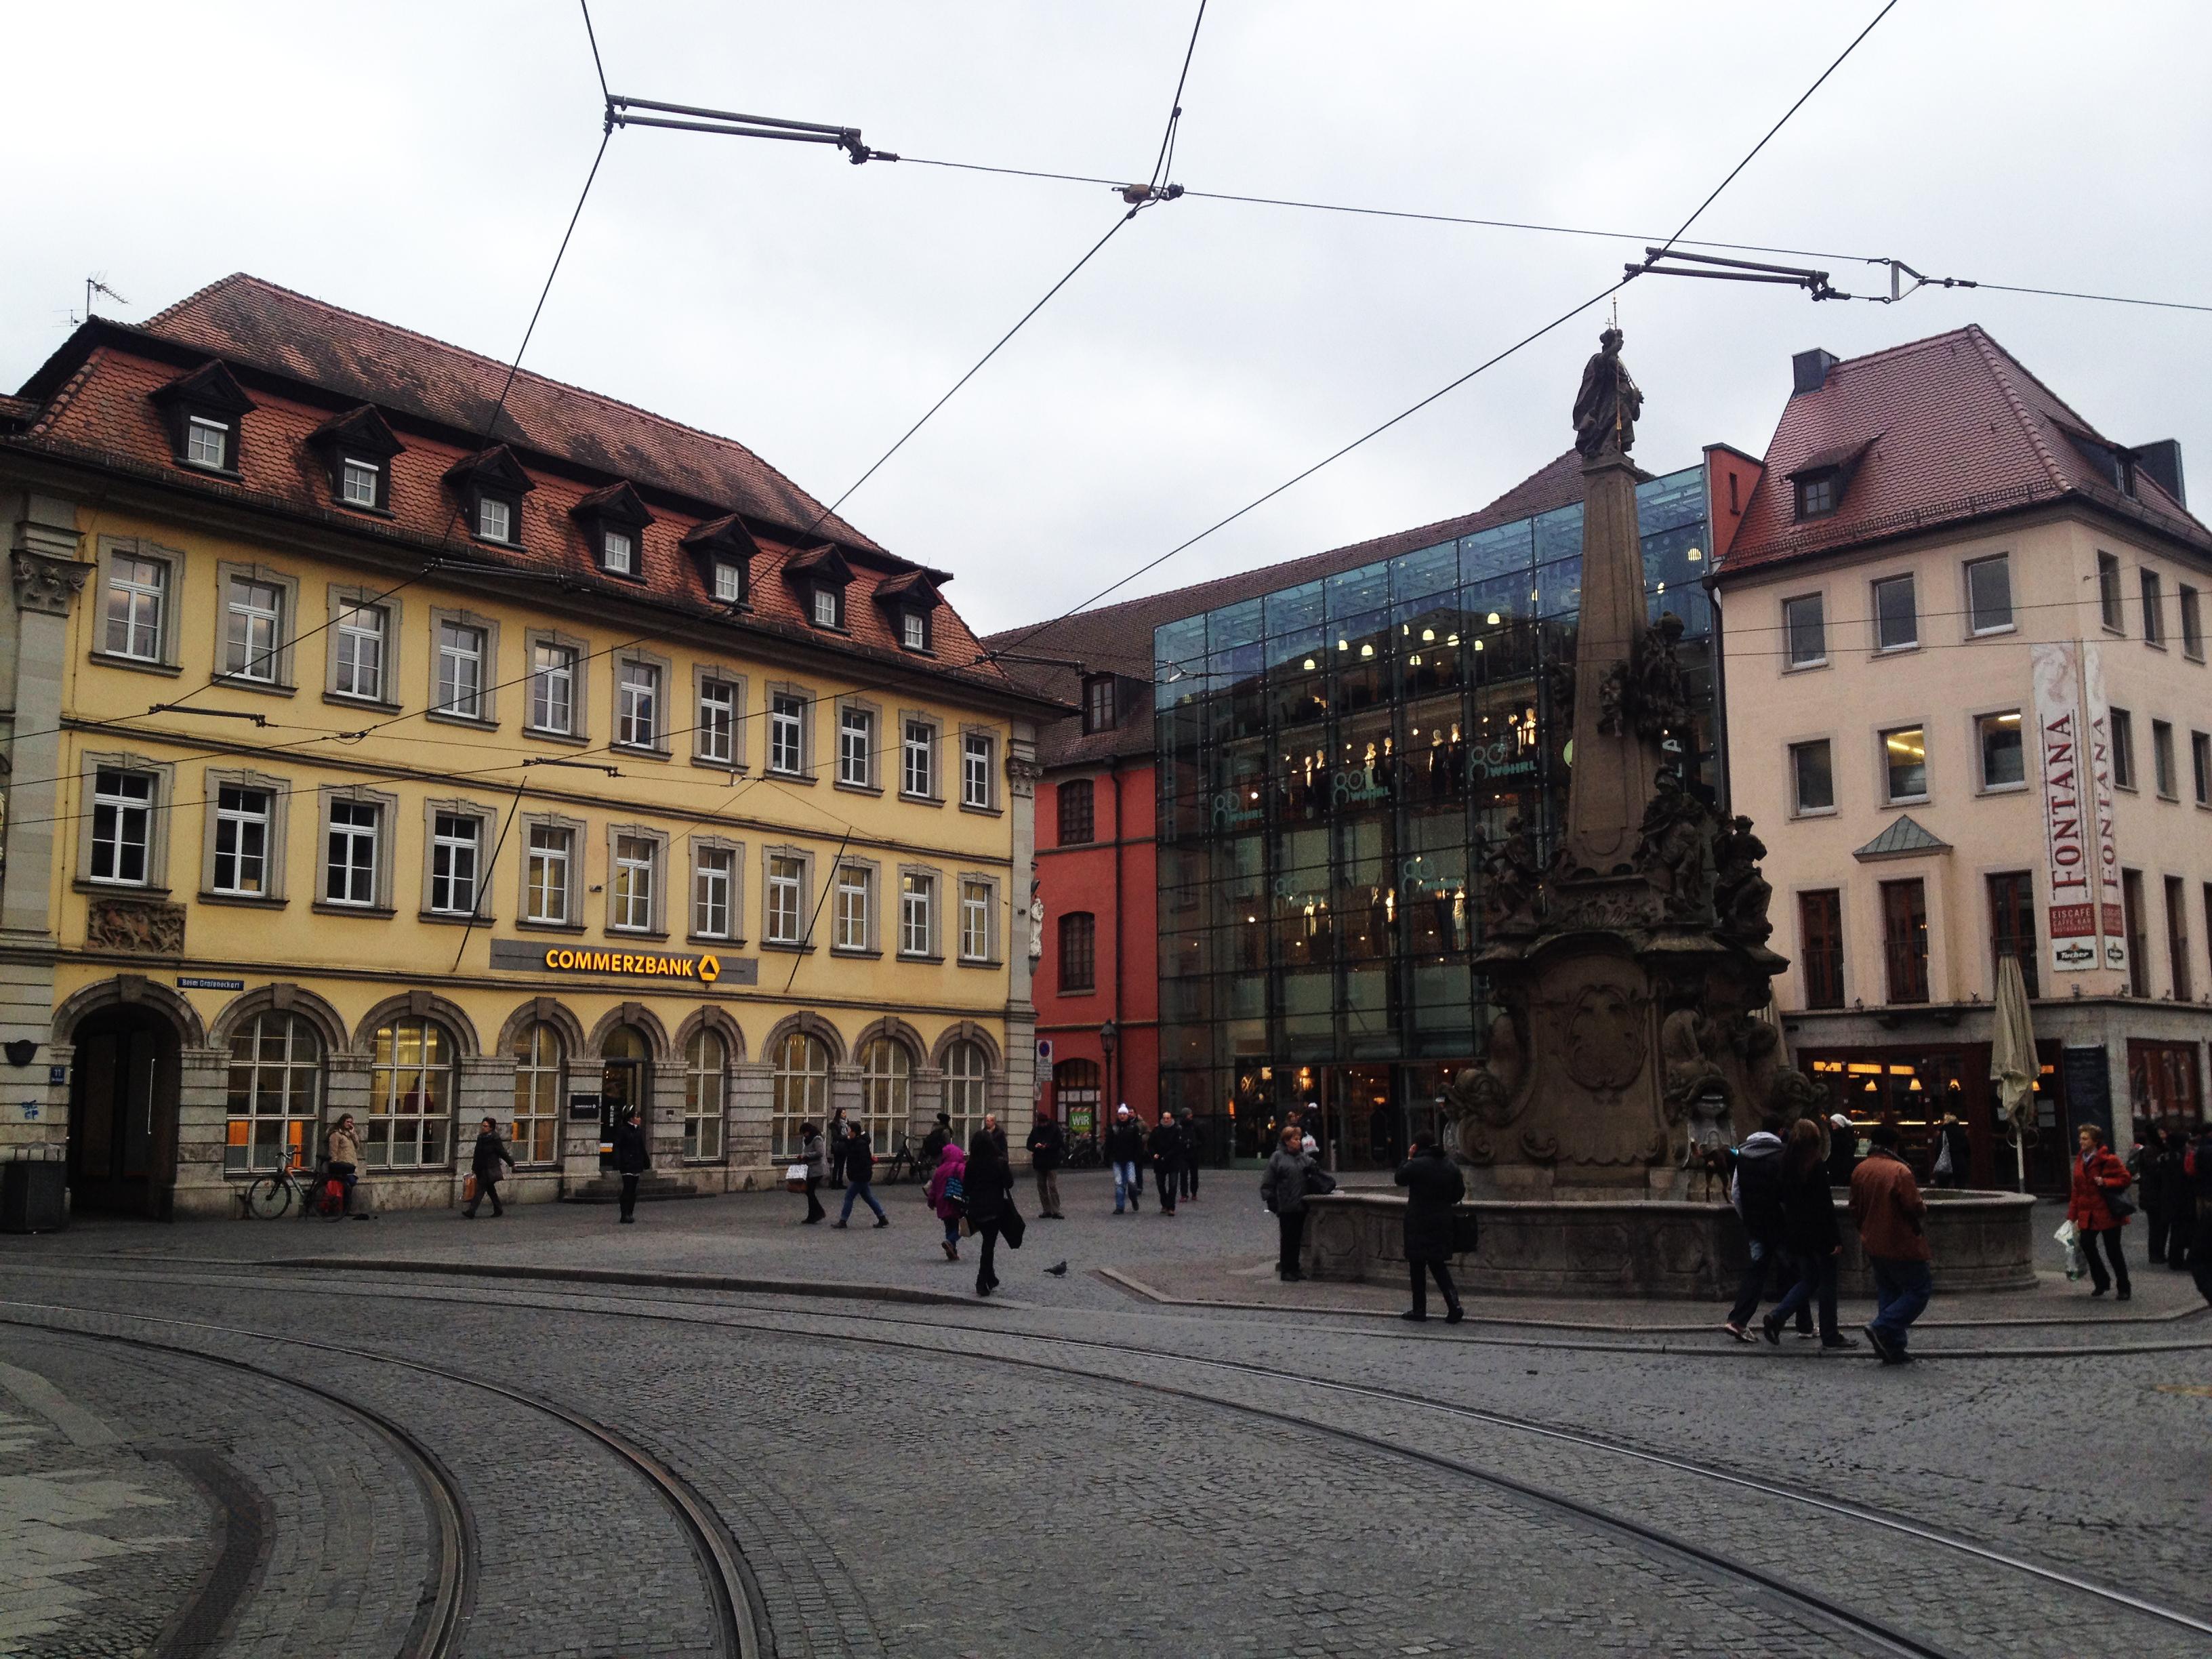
(1969, 705)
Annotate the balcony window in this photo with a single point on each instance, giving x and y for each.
(1821, 936)
(1905, 939)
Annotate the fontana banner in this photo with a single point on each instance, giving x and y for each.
(2069, 862)
(2111, 919)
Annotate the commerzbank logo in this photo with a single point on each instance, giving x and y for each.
(710, 968)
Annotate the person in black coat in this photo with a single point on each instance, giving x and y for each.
(840, 1146)
(1433, 1188)
(1047, 1144)
(1191, 1154)
(1811, 1240)
(1125, 1150)
(1842, 1150)
(1165, 1144)
(989, 1184)
(491, 1156)
(860, 1174)
(631, 1160)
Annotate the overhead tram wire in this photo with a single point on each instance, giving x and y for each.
(1524, 341)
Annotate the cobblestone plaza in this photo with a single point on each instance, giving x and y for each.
(718, 1433)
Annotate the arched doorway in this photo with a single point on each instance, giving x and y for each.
(626, 1081)
(123, 1113)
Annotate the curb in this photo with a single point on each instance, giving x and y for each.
(830, 1290)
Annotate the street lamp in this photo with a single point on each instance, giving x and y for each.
(1108, 1035)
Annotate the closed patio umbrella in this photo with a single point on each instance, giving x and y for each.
(2013, 1065)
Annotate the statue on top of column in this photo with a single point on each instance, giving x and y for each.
(1607, 406)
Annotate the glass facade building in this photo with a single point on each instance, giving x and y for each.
(1332, 760)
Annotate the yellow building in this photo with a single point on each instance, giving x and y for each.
(388, 738)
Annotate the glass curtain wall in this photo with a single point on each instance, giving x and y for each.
(1333, 759)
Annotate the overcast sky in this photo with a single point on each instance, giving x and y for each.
(417, 162)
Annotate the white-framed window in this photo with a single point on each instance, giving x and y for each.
(274, 1093)
(122, 826)
(975, 909)
(1805, 630)
(461, 670)
(2162, 760)
(886, 1091)
(976, 749)
(2108, 592)
(828, 606)
(1812, 777)
(357, 482)
(546, 880)
(242, 840)
(456, 840)
(1989, 595)
(1896, 614)
(495, 518)
(2154, 606)
(621, 551)
(967, 1088)
(914, 630)
(718, 721)
(252, 630)
(553, 688)
(802, 1089)
(918, 751)
(852, 901)
(207, 443)
(1997, 738)
(713, 885)
(360, 632)
(137, 601)
(785, 920)
(2123, 749)
(917, 901)
(1905, 763)
(729, 581)
(410, 1094)
(539, 1067)
(349, 863)
(630, 908)
(706, 1065)
(786, 732)
(637, 704)
(856, 747)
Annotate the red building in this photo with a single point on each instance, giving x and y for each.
(1096, 989)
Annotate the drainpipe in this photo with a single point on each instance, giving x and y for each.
(1114, 779)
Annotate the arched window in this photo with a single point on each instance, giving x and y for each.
(886, 1092)
(276, 1093)
(706, 1062)
(410, 1096)
(967, 1088)
(802, 1089)
(539, 1061)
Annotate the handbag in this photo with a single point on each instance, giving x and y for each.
(1319, 1181)
(1011, 1227)
(2118, 1204)
(1466, 1232)
(469, 1189)
(794, 1178)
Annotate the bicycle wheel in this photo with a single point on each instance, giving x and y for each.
(269, 1197)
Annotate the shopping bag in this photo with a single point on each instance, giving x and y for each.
(1011, 1227)
(469, 1189)
(794, 1178)
(2068, 1236)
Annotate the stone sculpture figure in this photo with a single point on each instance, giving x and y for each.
(1675, 847)
(1686, 1046)
(1515, 881)
(1662, 696)
(1607, 406)
(1740, 893)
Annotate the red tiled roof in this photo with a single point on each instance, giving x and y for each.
(1117, 639)
(1953, 429)
(101, 412)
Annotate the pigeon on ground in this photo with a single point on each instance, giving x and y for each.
(1058, 1270)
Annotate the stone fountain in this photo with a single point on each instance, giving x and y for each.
(1633, 978)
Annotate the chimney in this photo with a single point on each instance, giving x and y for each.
(1809, 369)
(2162, 461)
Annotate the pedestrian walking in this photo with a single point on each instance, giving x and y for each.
(2099, 1212)
(948, 1195)
(2163, 1191)
(990, 1193)
(1433, 1188)
(1892, 1217)
(859, 1176)
(1125, 1150)
(1291, 1172)
(1190, 1158)
(814, 1152)
(1954, 1152)
(1756, 1191)
(1047, 1147)
(1842, 1150)
(1811, 1240)
(1166, 1147)
(839, 1137)
(2196, 1166)
(341, 1159)
(491, 1156)
(991, 1128)
(631, 1160)
(934, 1143)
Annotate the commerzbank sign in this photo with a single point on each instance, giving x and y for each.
(529, 956)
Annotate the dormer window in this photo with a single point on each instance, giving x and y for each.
(1100, 709)
(614, 521)
(817, 578)
(910, 603)
(491, 485)
(205, 410)
(357, 448)
(722, 553)
(207, 443)
(913, 629)
(729, 582)
(619, 552)
(1816, 496)
(361, 484)
(828, 605)
(495, 518)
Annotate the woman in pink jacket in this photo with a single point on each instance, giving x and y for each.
(946, 1193)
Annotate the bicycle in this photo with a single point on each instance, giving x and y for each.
(906, 1164)
(1082, 1154)
(271, 1195)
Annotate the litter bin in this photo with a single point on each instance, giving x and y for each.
(32, 1196)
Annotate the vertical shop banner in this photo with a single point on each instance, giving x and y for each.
(2111, 919)
(2070, 863)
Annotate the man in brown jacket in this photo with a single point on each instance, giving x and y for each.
(1886, 1202)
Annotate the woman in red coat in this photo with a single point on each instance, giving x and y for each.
(2097, 1173)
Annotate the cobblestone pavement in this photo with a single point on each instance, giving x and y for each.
(959, 1501)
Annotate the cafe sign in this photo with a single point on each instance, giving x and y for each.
(2068, 810)
(527, 955)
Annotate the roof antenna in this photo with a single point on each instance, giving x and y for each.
(93, 285)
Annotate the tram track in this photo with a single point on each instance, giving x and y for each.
(739, 1616)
